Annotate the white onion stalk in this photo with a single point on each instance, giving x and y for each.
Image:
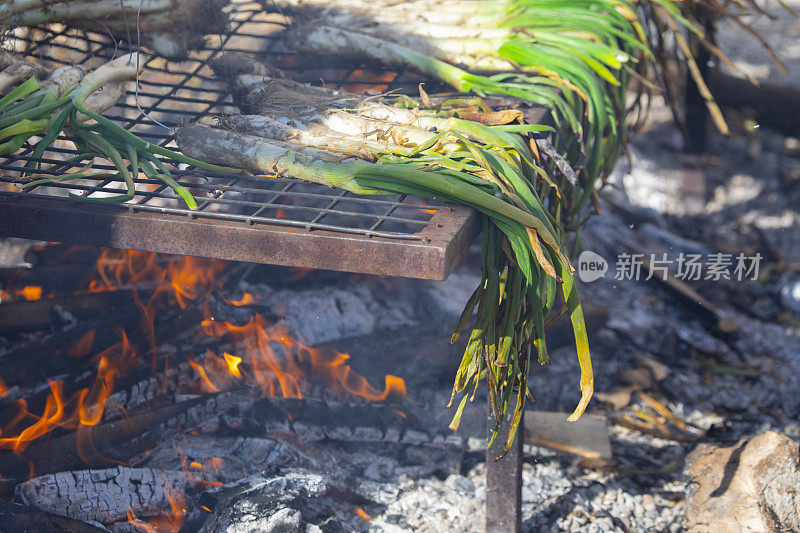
(170, 27)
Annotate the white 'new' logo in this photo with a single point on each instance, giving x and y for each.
(591, 266)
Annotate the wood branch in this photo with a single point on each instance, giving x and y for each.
(103, 495)
(773, 105)
(704, 308)
(587, 437)
(22, 519)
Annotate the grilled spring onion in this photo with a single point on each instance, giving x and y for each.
(70, 100)
(168, 27)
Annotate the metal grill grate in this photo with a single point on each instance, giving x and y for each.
(251, 218)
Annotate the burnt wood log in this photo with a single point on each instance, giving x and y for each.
(774, 105)
(263, 496)
(103, 495)
(36, 314)
(315, 420)
(22, 519)
(26, 364)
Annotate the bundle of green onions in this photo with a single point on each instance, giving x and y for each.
(577, 57)
(367, 146)
(169, 27)
(70, 99)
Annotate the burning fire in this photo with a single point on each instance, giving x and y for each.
(257, 353)
(89, 403)
(169, 521)
(279, 364)
(261, 354)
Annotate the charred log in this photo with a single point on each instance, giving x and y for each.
(102, 495)
(24, 519)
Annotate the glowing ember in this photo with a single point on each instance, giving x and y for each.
(362, 514)
(31, 293)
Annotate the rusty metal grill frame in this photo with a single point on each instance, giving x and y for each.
(249, 218)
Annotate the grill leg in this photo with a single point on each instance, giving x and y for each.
(504, 480)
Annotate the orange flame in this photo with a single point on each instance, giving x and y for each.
(177, 512)
(247, 299)
(92, 401)
(205, 382)
(167, 521)
(184, 278)
(233, 365)
(279, 363)
(51, 417)
(132, 520)
(298, 273)
(89, 402)
(410, 200)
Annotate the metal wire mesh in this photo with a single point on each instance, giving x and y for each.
(175, 93)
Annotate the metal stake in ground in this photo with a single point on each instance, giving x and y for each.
(504, 479)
